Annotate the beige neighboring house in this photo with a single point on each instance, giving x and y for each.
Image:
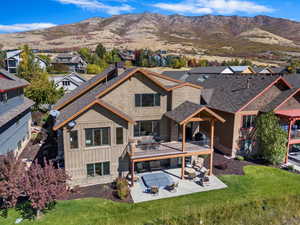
(126, 121)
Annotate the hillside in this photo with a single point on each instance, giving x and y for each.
(210, 34)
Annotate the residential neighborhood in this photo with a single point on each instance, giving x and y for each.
(150, 118)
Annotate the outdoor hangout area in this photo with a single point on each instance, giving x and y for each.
(168, 183)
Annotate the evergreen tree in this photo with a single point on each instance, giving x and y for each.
(100, 51)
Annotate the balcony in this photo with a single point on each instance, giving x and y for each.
(160, 149)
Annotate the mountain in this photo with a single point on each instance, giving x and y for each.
(213, 34)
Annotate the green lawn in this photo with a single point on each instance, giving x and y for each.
(259, 183)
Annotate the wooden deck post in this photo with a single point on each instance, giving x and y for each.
(212, 136)
(132, 173)
(183, 136)
(182, 167)
(286, 160)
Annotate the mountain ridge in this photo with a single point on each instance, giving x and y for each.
(175, 33)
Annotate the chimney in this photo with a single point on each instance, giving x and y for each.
(248, 83)
(119, 68)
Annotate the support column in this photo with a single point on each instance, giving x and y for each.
(212, 137)
(289, 139)
(132, 173)
(183, 136)
(182, 167)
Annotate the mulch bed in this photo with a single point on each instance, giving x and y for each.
(226, 166)
(96, 191)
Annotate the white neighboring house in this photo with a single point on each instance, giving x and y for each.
(13, 60)
(68, 82)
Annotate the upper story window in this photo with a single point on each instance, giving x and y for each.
(147, 100)
(249, 121)
(146, 128)
(12, 63)
(66, 83)
(73, 139)
(3, 97)
(119, 136)
(97, 136)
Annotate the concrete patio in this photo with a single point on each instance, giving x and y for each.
(185, 187)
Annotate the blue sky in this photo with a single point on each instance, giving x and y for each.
(22, 15)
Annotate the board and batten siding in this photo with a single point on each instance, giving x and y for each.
(77, 159)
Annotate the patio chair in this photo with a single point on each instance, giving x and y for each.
(191, 176)
(198, 164)
(172, 187)
(154, 190)
(204, 181)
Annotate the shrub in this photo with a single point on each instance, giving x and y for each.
(272, 138)
(240, 158)
(122, 188)
(93, 69)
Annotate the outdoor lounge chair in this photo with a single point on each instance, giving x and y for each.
(198, 164)
(172, 188)
(191, 176)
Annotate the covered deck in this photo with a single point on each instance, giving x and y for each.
(182, 115)
(291, 117)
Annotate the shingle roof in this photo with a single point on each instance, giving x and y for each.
(278, 70)
(208, 70)
(85, 86)
(178, 75)
(72, 58)
(230, 93)
(183, 111)
(279, 99)
(11, 81)
(293, 79)
(10, 114)
(88, 98)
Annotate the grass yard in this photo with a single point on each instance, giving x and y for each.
(264, 195)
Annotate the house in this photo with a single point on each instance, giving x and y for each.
(68, 82)
(13, 60)
(131, 121)
(262, 70)
(120, 122)
(15, 114)
(72, 61)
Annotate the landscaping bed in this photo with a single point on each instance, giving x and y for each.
(104, 191)
(227, 166)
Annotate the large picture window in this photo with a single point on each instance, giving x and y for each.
(146, 128)
(147, 100)
(97, 136)
(98, 169)
(73, 139)
(249, 121)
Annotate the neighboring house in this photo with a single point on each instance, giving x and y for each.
(240, 99)
(13, 60)
(15, 114)
(242, 69)
(73, 61)
(263, 70)
(68, 82)
(206, 70)
(106, 126)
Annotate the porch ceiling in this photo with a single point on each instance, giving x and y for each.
(292, 113)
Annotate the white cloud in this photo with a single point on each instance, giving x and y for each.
(25, 27)
(96, 5)
(214, 6)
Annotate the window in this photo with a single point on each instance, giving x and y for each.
(12, 63)
(249, 121)
(119, 136)
(147, 100)
(97, 136)
(3, 97)
(146, 128)
(98, 169)
(246, 146)
(19, 145)
(66, 83)
(73, 139)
